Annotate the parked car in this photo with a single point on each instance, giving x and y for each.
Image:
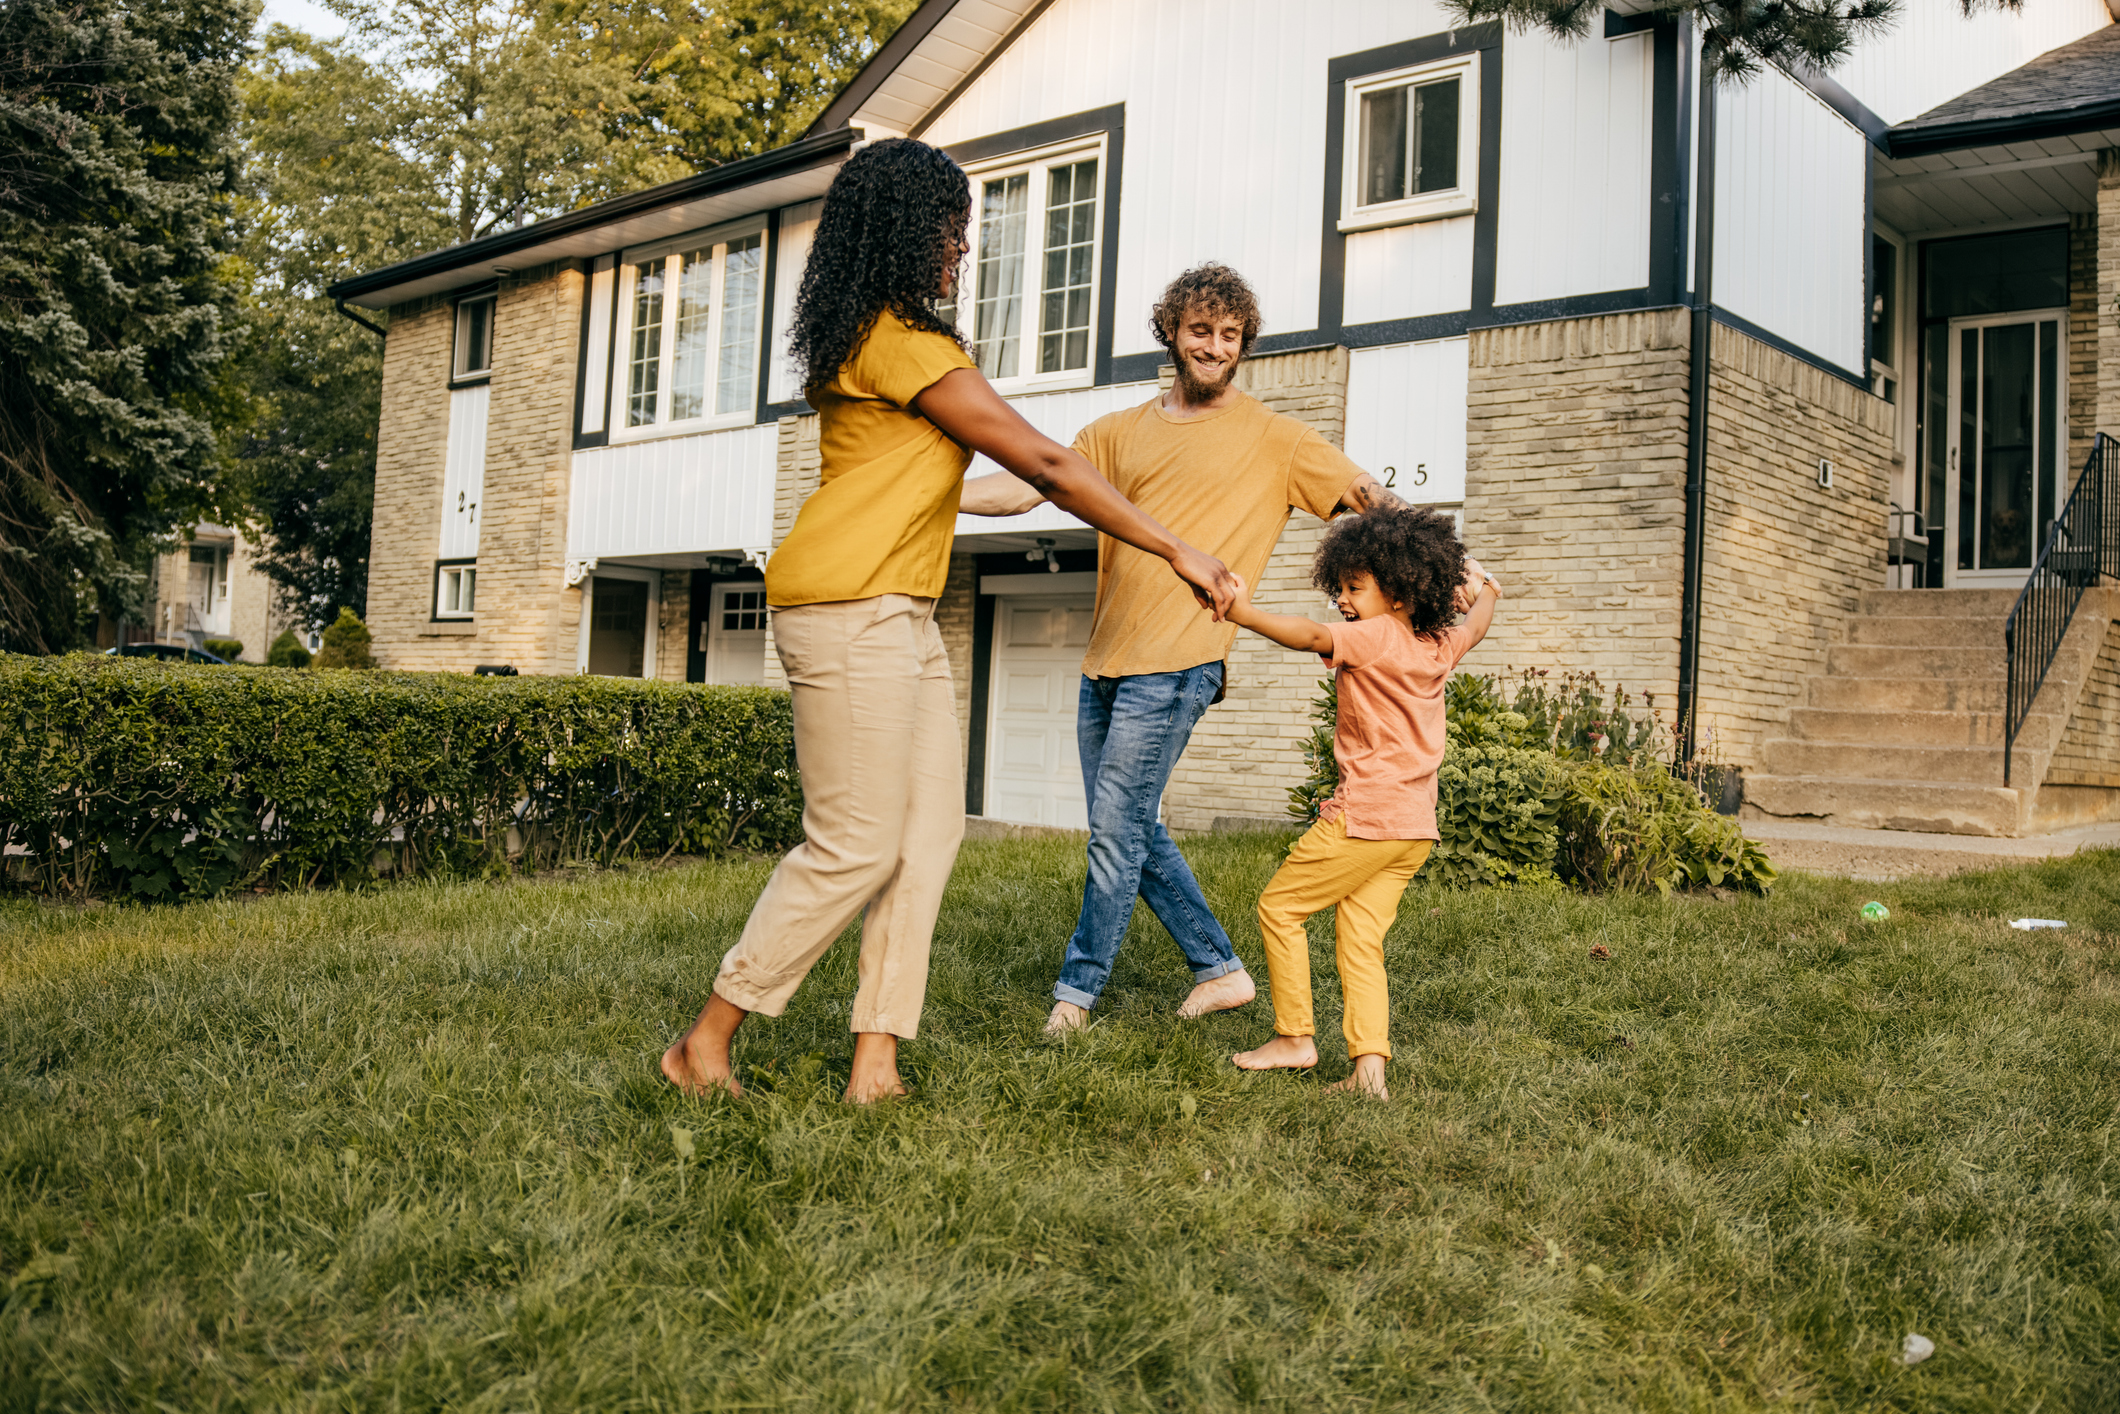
(167, 652)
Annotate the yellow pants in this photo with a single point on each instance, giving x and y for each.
(1362, 879)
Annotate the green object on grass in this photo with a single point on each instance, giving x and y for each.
(1875, 912)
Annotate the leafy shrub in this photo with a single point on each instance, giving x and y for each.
(287, 652)
(1556, 781)
(229, 648)
(346, 643)
(170, 780)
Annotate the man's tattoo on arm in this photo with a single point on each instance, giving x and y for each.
(1368, 493)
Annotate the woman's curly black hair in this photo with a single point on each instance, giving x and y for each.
(1413, 554)
(880, 245)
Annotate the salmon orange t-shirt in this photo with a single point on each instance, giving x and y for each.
(1224, 482)
(882, 520)
(1390, 732)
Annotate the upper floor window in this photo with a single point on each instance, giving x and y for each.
(1411, 145)
(689, 320)
(1033, 266)
(474, 337)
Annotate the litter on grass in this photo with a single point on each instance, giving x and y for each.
(1875, 912)
(1915, 1349)
(2025, 925)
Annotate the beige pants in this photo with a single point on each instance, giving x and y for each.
(882, 809)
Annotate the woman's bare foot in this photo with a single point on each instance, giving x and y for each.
(1066, 1017)
(1231, 989)
(1281, 1053)
(1368, 1078)
(698, 1061)
(875, 1074)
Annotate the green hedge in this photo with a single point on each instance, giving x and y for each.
(167, 780)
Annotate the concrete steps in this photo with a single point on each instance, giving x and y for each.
(1904, 729)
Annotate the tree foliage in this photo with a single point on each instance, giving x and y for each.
(117, 168)
(433, 122)
(1737, 36)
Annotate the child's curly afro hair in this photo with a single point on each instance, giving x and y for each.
(1412, 553)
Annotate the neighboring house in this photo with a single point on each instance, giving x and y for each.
(210, 587)
(1474, 250)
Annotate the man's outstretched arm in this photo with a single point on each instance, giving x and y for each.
(1367, 494)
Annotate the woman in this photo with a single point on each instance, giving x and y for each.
(901, 409)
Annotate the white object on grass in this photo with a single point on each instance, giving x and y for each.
(2025, 925)
(1915, 1349)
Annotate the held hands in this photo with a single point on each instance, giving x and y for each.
(1468, 593)
(1212, 583)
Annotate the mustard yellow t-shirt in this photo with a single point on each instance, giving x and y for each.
(882, 520)
(1223, 482)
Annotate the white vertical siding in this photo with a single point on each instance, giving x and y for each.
(1933, 52)
(1401, 272)
(596, 362)
(1574, 201)
(464, 472)
(1406, 411)
(676, 495)
(798, 227)
(1059, 416)
(1242, 183)
(1791, 234)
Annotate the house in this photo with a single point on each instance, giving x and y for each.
(210, 588)
(1479, 259)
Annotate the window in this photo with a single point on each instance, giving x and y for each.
(455, 590)
(474, 338)
(1033, 267)
(1411, 145)
(689, 347)
(1884, 317)
(743, 611)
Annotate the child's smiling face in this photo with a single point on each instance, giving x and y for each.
(1359, 598)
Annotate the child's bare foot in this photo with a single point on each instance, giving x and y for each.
(875, 1074)
(1368, 1078)
(698, 1061)
(1066, 1017)
(1231, 989)
(1281, 1053)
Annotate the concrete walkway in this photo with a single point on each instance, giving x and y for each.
(1899, 854)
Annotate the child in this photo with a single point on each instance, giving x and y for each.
(1400, 576)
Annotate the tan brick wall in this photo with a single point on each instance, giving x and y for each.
(2082, 336)
(526, 615)
(1575, 494)
(412, 441)
(2109, 292)
(2089, 754)
(673, 625)
(1785, 557)
(1247, 751)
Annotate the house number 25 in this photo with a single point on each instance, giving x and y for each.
(1420, 475)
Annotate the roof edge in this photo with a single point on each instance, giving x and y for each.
(888, 56)
(811, 149)
(1991, 132)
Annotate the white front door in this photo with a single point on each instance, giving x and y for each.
(1033, 773)
(2008, 438)
(733, 633)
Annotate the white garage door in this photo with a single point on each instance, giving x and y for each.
(1033, 774)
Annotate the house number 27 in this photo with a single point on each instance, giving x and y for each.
(1420, 475)
(469, 510)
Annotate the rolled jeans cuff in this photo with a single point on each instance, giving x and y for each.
(1220, 969)
(1064, 993)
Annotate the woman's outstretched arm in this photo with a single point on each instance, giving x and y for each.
(966, 407)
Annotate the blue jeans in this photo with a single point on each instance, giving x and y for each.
(1131, 731)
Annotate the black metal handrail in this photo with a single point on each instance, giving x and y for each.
(2083, 544)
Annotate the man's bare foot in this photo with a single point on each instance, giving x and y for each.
(1066, 1017)
(1231, 989)
(875, 1074)
(698, 1061)
(1368, 1078)
(1281, 1053)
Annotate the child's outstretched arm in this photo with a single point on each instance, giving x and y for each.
(1284, 629)
(1486, 592)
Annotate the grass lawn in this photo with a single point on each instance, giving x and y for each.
(409, 1150)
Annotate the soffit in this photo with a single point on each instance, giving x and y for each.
(939, 47)
(1992, 185)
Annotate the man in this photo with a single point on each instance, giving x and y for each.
(1223, 473)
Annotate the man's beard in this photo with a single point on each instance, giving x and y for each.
(1196, 391)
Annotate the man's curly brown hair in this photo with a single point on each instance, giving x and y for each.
(1217, 289)
(1412, 553)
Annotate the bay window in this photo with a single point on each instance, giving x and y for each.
(1033, 266)
(689, 325)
